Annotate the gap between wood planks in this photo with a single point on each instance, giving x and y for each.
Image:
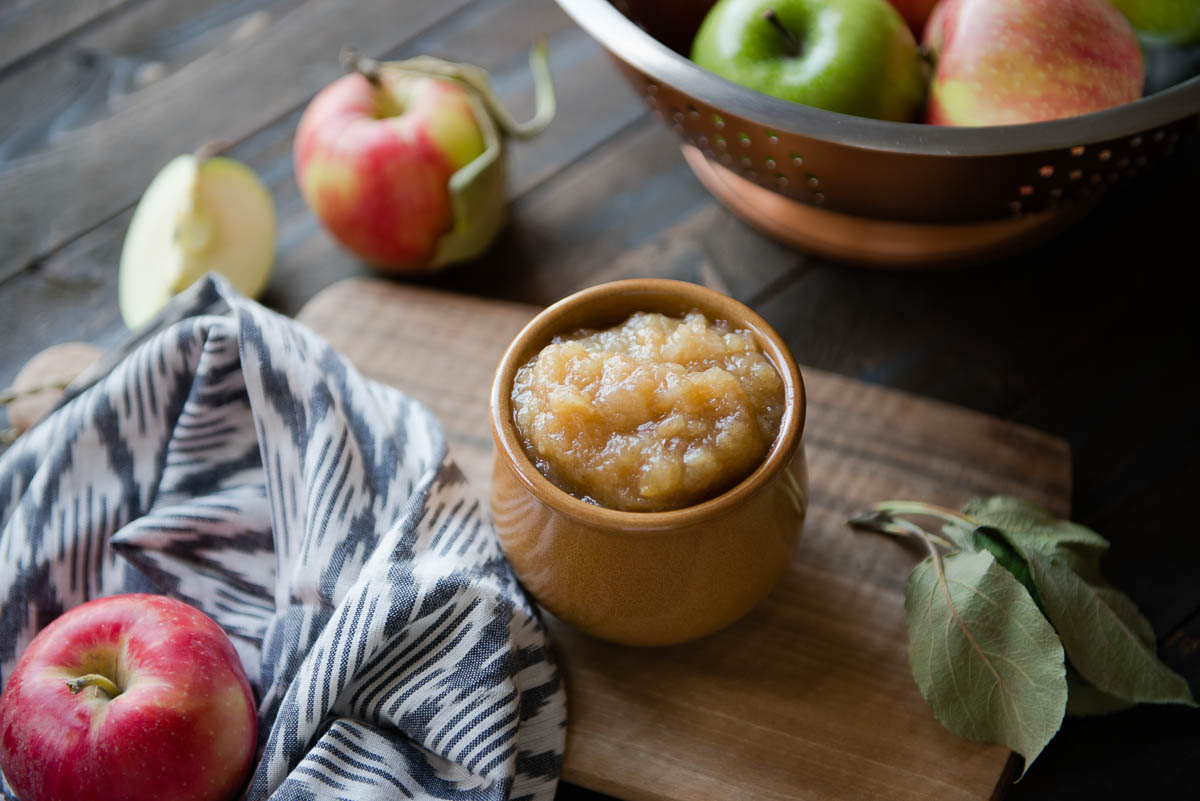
(410, 43)
(24, 38)
(40, 181)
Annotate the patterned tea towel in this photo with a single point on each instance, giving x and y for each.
(230, 458)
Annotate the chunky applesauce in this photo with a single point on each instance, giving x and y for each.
(656, 413)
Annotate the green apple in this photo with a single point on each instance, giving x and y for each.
(198, 215)
(1163, 22)
(853, 56)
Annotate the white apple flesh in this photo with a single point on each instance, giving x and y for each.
(197, 216)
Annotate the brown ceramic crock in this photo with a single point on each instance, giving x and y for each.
(648, 578)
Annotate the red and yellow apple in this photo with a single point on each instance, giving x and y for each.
(374, 159)
(1003, 62)
(128, 698)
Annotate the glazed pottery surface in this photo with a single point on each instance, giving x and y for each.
(648, 578)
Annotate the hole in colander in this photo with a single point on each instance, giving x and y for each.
(819, 198)
(1094, 178)
(770, 162)
(1015, 206)
(746, 161)
(782, 180)
(1046, 171)
(744, 138)
(702, 141)
(1026, 190)
(1135, 141)
(1159, 135)
(1078, 151)
(797, 159)
(726, 158)
(1140, 161)
(1105, 154)
(677, 115)
(772, 137)
(719, 141)
(693, 113)
(1123, 162)
(1075, 175)
(718, 121)
(1056, 193)
(651, 88)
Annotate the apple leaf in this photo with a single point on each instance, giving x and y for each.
(1030, 526)
(1109, 642)
(983, 655)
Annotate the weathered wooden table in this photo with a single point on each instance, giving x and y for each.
(1092, 337)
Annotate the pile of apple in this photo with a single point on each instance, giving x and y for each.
(981, 62)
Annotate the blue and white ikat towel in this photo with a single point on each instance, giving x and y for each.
(230, 458)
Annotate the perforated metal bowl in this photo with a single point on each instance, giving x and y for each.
(871, 190)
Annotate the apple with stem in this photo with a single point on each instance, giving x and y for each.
(1001, 62)
(201, 213)
(402, 162)
(852, 56)
(128, 698)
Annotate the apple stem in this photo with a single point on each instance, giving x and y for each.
(791, 42)
(106, 684)
(209, 149)
(353, 61)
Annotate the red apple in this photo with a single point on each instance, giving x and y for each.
(374, 157)
(1000, 62)
(127, 698)
(915, 13)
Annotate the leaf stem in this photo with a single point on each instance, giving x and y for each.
(883, 522)
(928, 509)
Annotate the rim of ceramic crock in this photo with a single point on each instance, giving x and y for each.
(538, 333)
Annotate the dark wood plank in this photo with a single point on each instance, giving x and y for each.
(72, 294)
(213, 97)
(91, 73)
(28, 26)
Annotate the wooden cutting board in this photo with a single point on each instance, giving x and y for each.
(810, 695)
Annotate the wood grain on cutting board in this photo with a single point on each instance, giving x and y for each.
(807, 697)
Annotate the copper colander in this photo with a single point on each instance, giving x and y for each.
(893, 194)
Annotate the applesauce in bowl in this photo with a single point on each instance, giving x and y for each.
(655, 413)
(648, 576)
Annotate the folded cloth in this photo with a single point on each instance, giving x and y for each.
(230, 458)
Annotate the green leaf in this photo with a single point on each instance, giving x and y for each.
(1029, 526)
(1085, 701)
(1108, 641)
(993, 541)
(983, 656)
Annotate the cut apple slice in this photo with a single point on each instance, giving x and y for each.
(197, 216)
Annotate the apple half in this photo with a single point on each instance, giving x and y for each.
(198, 215)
